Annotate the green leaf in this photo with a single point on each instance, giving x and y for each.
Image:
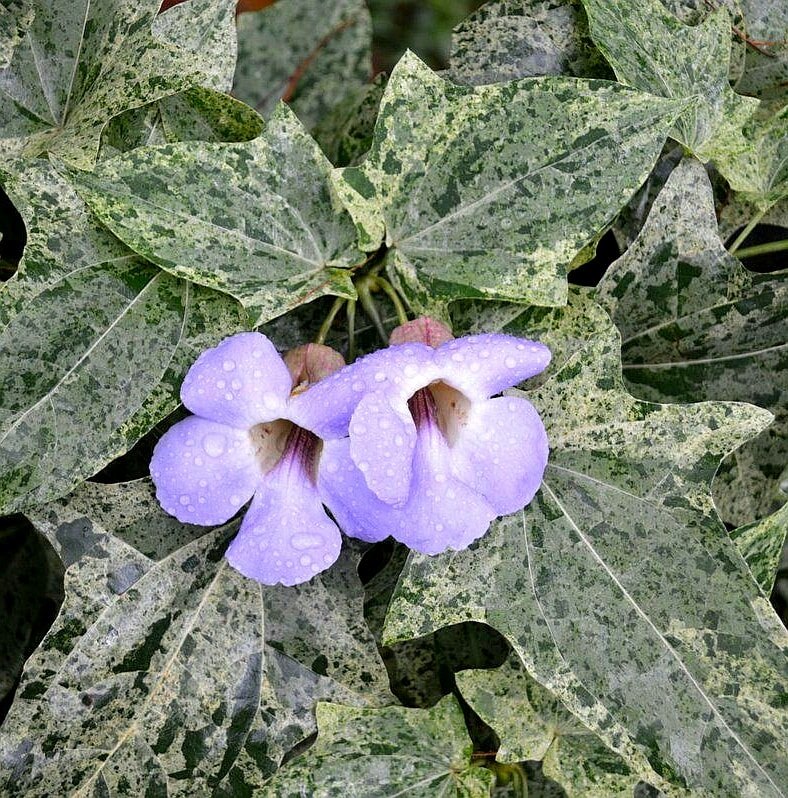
(345, 133)
(368, 753)
(534, 725)
(16, 16)
(696, 325)
(307, 52)
(766, 62)
(83, 380)
(651, 50)
(81, 64)
(623, 595)
(178, 676)
(759, 167)
(761, 545)
(493, 191)
(508, 39)
(195, 210)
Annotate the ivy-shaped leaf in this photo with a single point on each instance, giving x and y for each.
(619, 589)
(393, 751)
(307, 52)
(697, 325)
(762, 544)
(759, 168)
(650, 49)
(16, 17)
(257, 220)
(83, 380)
(534, 725)
(508, 39)
(766, 59)
(83, 63)
(493, 191)
(178, 676)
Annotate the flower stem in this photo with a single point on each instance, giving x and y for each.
(388, 289)
(322, 333)
(364, 291)
(351, 330)
(740, 239)
(763, 249)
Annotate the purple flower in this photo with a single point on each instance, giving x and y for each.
(431, 458)
(253, 437)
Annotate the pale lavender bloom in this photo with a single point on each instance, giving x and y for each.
(251, 439)
(432, 459)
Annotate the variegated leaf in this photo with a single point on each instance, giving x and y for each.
(494, 191)
(257, 220)
(534, 725)
(369, 753)
(307, 52)
(179, 675)
(83, 380)
(696, 325)
(623, 594)
(82, 63)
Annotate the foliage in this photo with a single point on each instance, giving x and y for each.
(611, 635)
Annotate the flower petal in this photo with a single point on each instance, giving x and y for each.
(241, 382)
(326, 407)
(482, 365)
(441, 511)
(382, 439)
(502, 452)
(204, 472)
(286, 536)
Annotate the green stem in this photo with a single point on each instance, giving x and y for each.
(351, 330)
(510, 774)
(364, 291)
(322, 333)
(763, 249)
(740, 239)
(388, 289)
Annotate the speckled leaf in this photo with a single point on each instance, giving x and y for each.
(82, 63)
(765, 70)
(16, 17)
(307, 52)
(761, 544)
(619, 589)
(83, 380)
(178, 676)
(195, 210)
(137, 127)
(386, 752)
(652, 50)
(759, 168)
(697, 325)
(508, 39)
(532, 724)
(738, 212)
(345, 133)
(493, 191)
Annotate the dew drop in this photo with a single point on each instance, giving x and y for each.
(229, 397)
(235, 499)
(191, 508)
(399, 440)
(384, 423)
(257, 373)
(236, 385)
(484, 354)
(510, 362)
(190, 442)
(332, 467)
(270, 400)
(521, 347)
(198, 461)
(358, 386)
(379, 376)
(359, 429)
(305, 559)
(214, 444)
(203, 483)
(440, 478)
(228, 365)
(363, 466)
(439, 527)
(457, 357)
(184, 500)
(304, 540)
(220, 384)
(327, 559)
(474, 367)
(411, 370)
(257, 353)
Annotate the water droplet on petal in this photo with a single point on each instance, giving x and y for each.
(228, 365)
(184, 500)
(203, 483)
(457, 357)
(474, 367)
(485, 353)
(214, 444)
(327, 559)
(379, 376)
(440, 477)
(235, 499)
(358, 386)
(439, 527)
(411, 370)
(521, 347)
(305, 559)
(270, 400)
(332, 467)
(198, 461)
(229, 397)
(510, 362)
(359, 429)
(305, 540)
(220, 384)
(384, 423)
(399, 440)
(363, 466)
(236, 385)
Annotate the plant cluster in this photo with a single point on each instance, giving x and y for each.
(202, 191)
